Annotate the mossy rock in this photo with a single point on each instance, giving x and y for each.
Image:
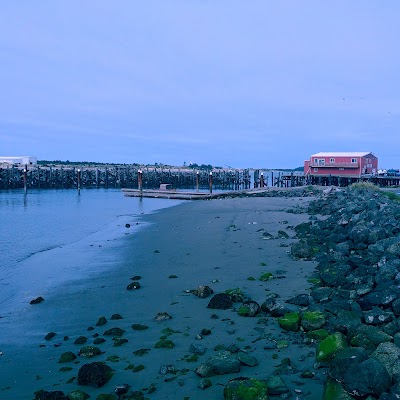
(312, 320)
(290, 321)
(141, 352)
(318, 334)
(327, 349)
(104, 396)
(50, 336)
(246, 389)
(89, 351)
(81, 340)
(282, 344)
(114, 332)
(267, 276)
(67, 357)
(168, 332)
(251, 278)
(138, 368)
(118, 341)
(139, 327)
(116, 316)
(101, 321)
(236, 295)
(164, 344)
(77, 395)
(333, 390)
(65, 369)
(244, 311)
(99, 340)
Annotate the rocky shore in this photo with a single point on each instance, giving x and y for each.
(292, 294)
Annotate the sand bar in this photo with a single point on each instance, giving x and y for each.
(217, 243)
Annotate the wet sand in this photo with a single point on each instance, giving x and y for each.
(217, 243)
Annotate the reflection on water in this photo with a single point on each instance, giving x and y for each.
(47, 219)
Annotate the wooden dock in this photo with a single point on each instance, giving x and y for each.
(181, 195)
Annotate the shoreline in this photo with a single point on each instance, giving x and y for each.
(195, 242)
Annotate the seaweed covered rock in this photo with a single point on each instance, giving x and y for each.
(312, 320)
(327, 349)
(95, 374)
(245, 389)
(290, 321)
(334, 390)
(67, 357)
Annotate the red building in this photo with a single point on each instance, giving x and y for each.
(352, 164)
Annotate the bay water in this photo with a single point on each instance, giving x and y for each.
(48, 237)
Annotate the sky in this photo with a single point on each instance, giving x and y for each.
(246, 84)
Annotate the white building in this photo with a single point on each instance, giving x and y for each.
(19, 160)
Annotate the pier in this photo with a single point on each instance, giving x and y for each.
(120, 176)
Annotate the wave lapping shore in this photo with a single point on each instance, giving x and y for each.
(291, 295)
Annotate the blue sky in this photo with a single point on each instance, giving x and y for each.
(258, 83)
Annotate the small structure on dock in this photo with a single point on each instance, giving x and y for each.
(18, 160)
(346, 164)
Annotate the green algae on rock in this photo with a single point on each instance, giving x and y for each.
(267, 276)
(246, 389)
(290, 321)
(318, 334)
(312, 320)
(67, 357)
(334, 391)
(330, 345)
(77, 395)
(114, 332)
(89, 351)
(164, 344)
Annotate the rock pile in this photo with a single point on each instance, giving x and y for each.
(355, 300)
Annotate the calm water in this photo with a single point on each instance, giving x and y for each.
(47, 225)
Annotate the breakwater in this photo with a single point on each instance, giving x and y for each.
(118, 176)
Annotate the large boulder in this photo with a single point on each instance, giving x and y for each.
(370, 377)
(344, 359)
(389, 355)
(219, 364)
(95, 374)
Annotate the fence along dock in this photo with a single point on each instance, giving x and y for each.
(118, 176)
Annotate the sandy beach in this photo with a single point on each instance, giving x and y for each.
(218, 243)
